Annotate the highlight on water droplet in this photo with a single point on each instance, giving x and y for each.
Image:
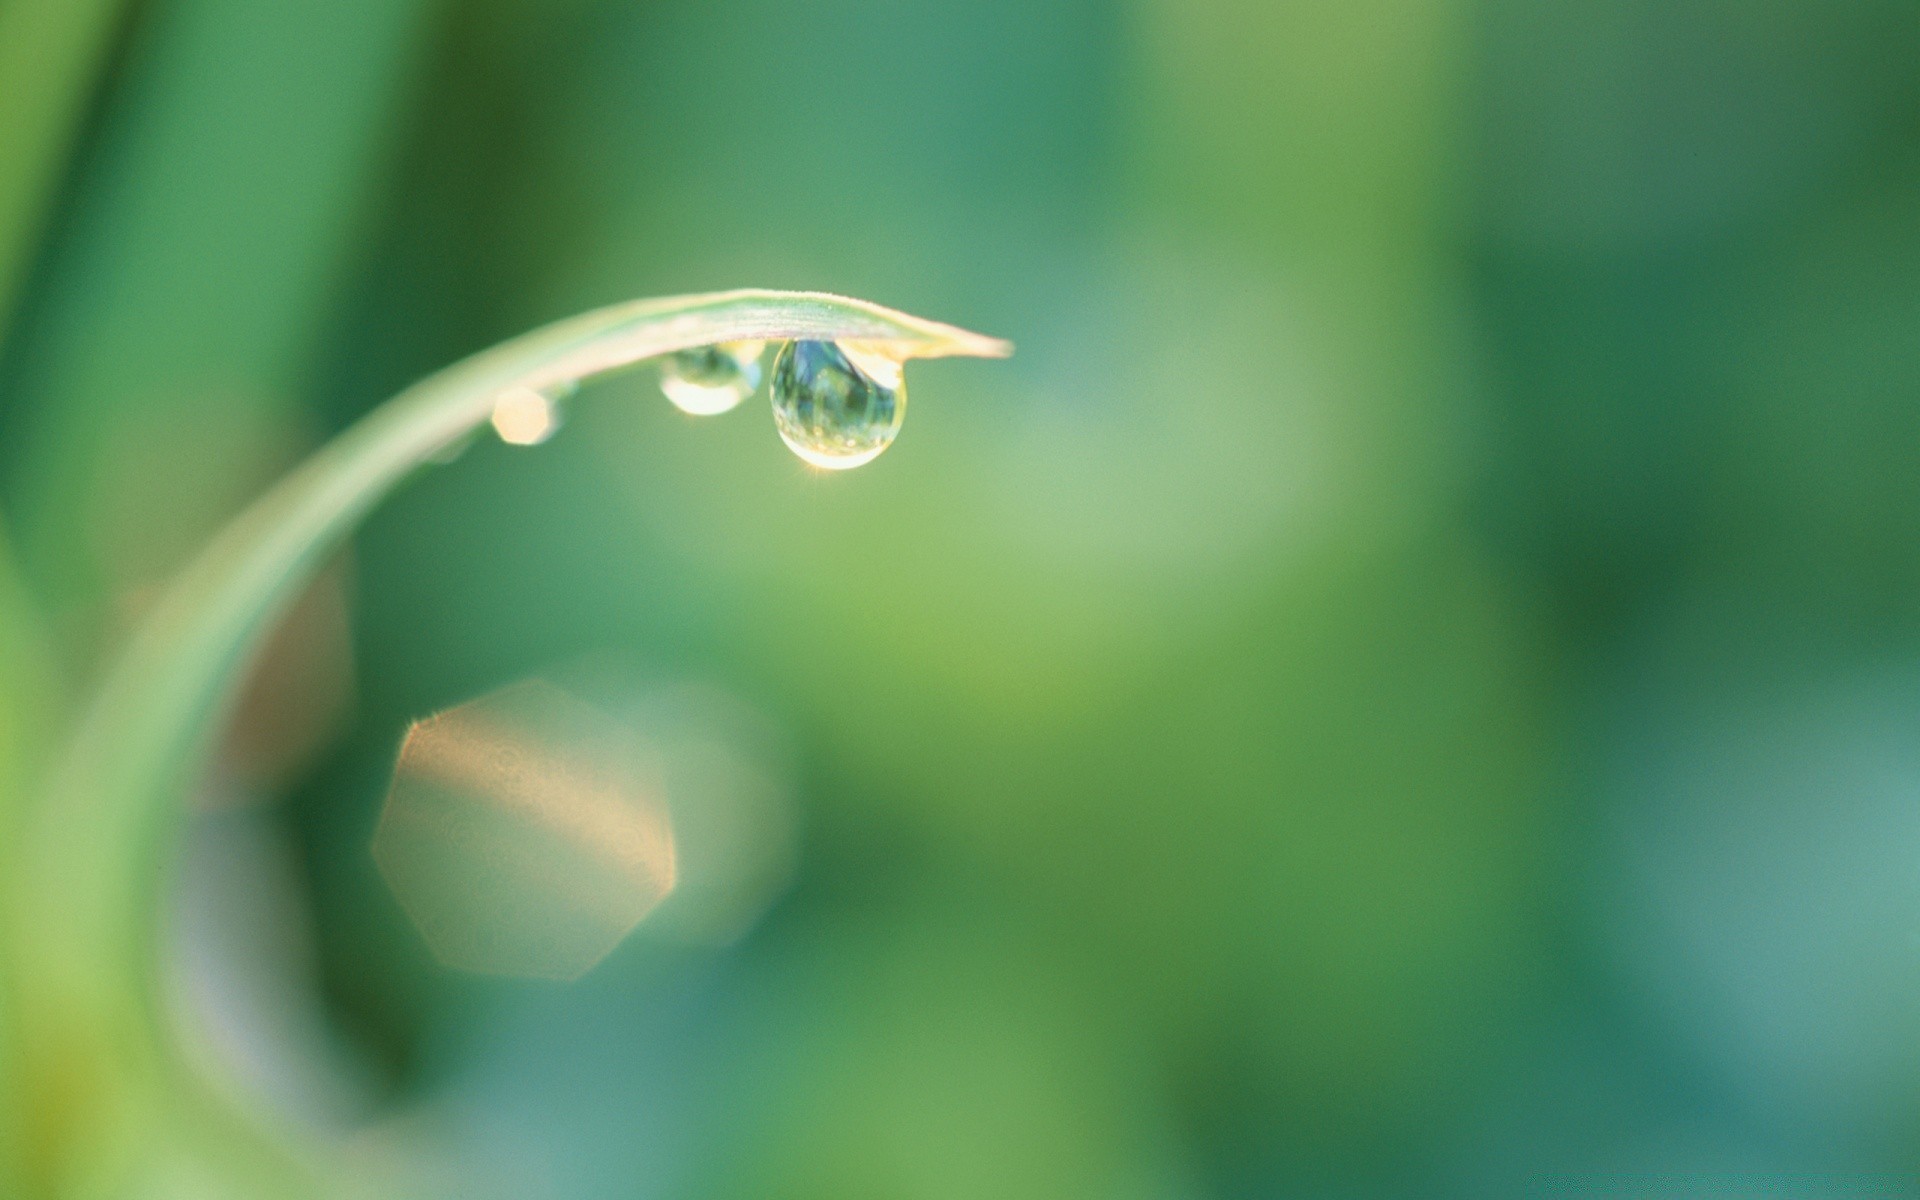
(525, 416)
(708, 380)
(837, 404)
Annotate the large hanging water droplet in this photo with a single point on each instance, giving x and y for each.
(708, 380)
(837, 405)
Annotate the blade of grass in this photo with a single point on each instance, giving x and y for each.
(101, 835)
(50, 52)
(201, 247)
(29, 696)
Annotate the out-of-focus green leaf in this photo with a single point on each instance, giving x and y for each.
(100, 833)
(49, 51)
(27, 703)
(197, 257)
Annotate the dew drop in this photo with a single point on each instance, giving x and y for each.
(837, 405)
(708, 380)
(525, 416)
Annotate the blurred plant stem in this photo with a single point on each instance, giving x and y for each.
(28, 701)
(50, 53)
(113, 1102)
(236, 147)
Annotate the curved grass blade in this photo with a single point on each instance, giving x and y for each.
(29, 695)
(100, 836)
(51, 52)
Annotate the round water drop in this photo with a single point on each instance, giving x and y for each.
(708, 380)
(525, 416)
(837, 405)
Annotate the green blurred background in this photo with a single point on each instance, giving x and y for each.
(1407, 685)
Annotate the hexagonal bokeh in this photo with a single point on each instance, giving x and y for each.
(525, 834)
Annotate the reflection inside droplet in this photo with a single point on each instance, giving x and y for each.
(708, 380)
(525, 416)
(837, 404)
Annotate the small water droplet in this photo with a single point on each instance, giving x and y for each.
(525, 416)
(837, 404)
(708, 380)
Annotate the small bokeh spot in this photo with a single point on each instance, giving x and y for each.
(525, 834)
